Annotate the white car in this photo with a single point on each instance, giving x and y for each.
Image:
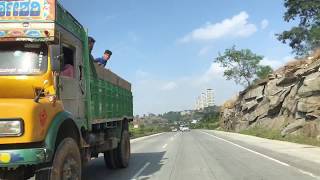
(185, 128)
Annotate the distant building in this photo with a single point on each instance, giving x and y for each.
(210, 98)
(205, 100)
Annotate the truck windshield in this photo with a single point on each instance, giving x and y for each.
(20, 58)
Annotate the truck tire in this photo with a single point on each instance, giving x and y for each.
(119, 157)
(67, 161)
(123, 150)
(110, 159)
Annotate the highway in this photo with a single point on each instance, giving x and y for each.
(203, 155)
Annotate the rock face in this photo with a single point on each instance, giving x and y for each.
(288, 101)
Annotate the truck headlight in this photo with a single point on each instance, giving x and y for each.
(12, 127)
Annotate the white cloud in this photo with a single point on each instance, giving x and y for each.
(158, 95)
(237, 26)
(215, 71)
(275, 64)
(141, 73)
(288, 59)
(204, 50)
(169, 86)
(264, 24)
(270, 62)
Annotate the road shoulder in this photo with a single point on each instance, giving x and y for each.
(304, 157)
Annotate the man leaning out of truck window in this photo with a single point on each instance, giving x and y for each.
(105, 58)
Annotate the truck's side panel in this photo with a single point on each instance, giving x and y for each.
(109, 97)
(109, 101)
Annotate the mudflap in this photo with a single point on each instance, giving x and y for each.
(43, 173)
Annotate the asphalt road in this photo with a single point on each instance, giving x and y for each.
(197, 155)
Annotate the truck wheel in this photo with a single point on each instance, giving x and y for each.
(110, 158)
(67, 161)
(119, 157)
(123, 150)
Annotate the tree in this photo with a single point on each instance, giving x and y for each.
(264, 71)
(240, 65)
(306, 36)
(172, 116)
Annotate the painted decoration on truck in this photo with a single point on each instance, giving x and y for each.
(29, 32)
(6, 158)
(27, 10)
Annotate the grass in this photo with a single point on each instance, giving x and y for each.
(146, 131)
(210, 126)
(276, 135)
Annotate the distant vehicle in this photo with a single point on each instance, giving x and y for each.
(174, 130)
(184, 128)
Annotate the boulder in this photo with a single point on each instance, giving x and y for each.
(249, 106)
(262, 109)
(293, 127)
(308, 104)
(313, 115)
(290, 102)
(287, 81)
(311, 85)
(254, 93)
(277, 100)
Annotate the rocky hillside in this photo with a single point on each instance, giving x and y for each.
(288, 101)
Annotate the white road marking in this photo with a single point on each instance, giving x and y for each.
(164, 146)
(136, 176)
(263, 155)
(307, 173)
(255, 152)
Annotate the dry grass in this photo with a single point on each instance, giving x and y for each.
(276, 135)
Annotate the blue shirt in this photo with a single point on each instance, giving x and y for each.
(101, 61)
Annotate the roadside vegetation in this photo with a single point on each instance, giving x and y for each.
(304, 37)
(146, 130)
(276, 135)
(209, 120)
(243, 66)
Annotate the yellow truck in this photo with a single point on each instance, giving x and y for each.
(52, 122)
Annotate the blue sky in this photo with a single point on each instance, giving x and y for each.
(166, 48)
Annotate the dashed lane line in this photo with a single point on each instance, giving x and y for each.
(136, 176)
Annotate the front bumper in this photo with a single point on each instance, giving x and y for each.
(19, 157)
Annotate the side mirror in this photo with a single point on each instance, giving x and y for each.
(55, 57)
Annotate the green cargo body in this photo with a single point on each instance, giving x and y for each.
(109, 101)
(109, 97)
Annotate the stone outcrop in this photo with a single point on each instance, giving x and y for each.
(288, 101)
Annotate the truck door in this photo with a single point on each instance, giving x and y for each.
(72, 89)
